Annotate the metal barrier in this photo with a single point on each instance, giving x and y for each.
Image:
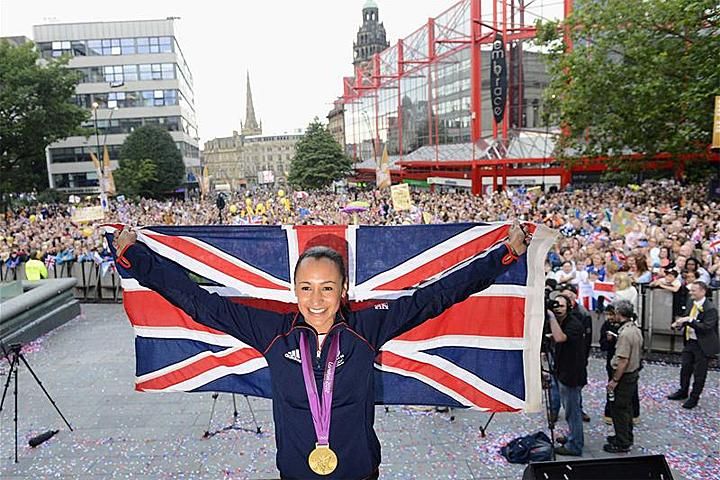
(92, 285)
(656, 315)
(12, 274)
(659, 335)
(654, 306)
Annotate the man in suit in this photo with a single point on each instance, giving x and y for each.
(700, 330)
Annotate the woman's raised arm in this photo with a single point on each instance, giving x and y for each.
(253, 326)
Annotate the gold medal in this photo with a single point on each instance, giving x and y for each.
(322, 460)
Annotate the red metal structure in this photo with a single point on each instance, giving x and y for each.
(427, 100)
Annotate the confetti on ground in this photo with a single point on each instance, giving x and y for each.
(87, 367)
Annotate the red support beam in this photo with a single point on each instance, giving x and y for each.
(567, 10)
(376, 70)
(400, 72)
(476, 188)
(431, 59)
(475, 73)
(431, 39)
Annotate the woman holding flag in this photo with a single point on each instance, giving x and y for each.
(323, 404)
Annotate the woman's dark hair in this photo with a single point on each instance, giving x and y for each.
(324, 252)
(641, 263)
(694, 261)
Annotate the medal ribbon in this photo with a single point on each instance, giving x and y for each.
(320, 410)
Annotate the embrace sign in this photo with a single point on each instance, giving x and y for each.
(498, 78)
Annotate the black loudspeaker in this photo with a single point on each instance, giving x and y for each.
(646, 467)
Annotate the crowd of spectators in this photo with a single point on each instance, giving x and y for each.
(659, 233)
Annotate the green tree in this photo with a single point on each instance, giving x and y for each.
(136, 178)
(319, 159)
(641, 77)
(150, 163)
(36, 109)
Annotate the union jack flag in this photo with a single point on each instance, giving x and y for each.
(482, 353)
(715, 245)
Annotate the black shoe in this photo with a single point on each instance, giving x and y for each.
(585, 417)
(564, 451)
(690, 403)
(561, 440)
(615, 448)
(679, 395)
(612, 439)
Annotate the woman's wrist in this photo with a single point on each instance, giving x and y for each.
(511, 254)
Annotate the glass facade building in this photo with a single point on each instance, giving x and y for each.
(134, 73)
(427, 98)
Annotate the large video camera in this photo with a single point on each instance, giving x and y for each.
(551, 304)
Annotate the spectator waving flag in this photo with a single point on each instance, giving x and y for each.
(481, 353)
(715, 245)
(604, 289)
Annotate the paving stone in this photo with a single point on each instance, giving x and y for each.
(87, 365)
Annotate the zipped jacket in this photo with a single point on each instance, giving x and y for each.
(277, 337)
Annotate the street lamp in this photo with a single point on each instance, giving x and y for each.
(109, 120)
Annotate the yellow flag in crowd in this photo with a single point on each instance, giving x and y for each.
(110, 182)
(382, 173)
(96, 164)
(623, 222)
(204, 182)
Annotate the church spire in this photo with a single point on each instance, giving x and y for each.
(250, 127)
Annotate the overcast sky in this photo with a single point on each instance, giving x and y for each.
(296, 51)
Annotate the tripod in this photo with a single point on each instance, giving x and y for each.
(233, 425)
(13, 358)
(546, 370)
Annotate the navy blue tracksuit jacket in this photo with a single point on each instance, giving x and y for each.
(277, 337)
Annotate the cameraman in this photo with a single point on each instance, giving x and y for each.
(571, 292)
(570, 371)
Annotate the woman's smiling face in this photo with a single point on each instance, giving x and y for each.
(319, 289)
